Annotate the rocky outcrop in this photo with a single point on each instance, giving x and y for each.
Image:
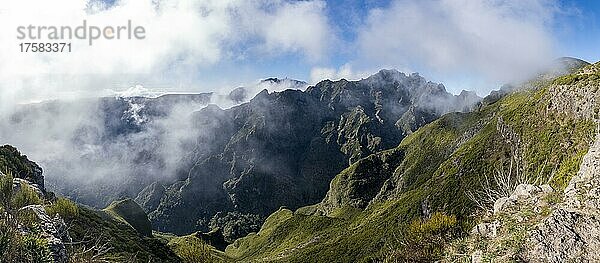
(565, 236)
(53, 230)
(21, 167)
(566, 231)
(572, 232)
(583, 191)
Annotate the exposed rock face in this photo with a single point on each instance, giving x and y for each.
(537, 224)
(583, 191)
(566, 236)
(54, 230)
(484, 229)
(572, 232)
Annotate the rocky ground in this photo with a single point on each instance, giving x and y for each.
(539, 224)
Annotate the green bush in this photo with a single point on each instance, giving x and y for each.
(16, 247)
(63, 207)
(35, 249)
(25, 196)
(12, 160)
(27, 218)
(6, 191)
(425, 239)
(7, 231)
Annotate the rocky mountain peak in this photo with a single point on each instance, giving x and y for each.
(22, 168)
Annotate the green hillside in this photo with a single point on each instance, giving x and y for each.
(384, 206)
(131, 213)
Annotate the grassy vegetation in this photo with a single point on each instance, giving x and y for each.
(12, 161)
(425, 239)
(572, 79)
(123, 242)
(191, 249)
(130, 213)
(14, 245)
(64, 207)
(26, 196)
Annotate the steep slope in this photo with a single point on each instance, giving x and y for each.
(431, 183)
(36, 226)
(283, 148)
(547, 226)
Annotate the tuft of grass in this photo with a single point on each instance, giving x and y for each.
(26, 196)
(191, 249)
(425, 239)
(6, 191)
(64, 207)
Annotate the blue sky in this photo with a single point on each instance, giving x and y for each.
(201, 45)
(579, 34)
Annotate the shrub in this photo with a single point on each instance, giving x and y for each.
(6, 191)
(424, 239)
(16, 247)
(28, 219)
(63, 207)
(7, 232)
(35, 249)
(439, 223)
(25, 196)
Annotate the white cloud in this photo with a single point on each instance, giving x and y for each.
(500, 40)
(346, 71)
(181, 37)
(301, 26)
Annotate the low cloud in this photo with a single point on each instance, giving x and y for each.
(346, 71)
(181, 38)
